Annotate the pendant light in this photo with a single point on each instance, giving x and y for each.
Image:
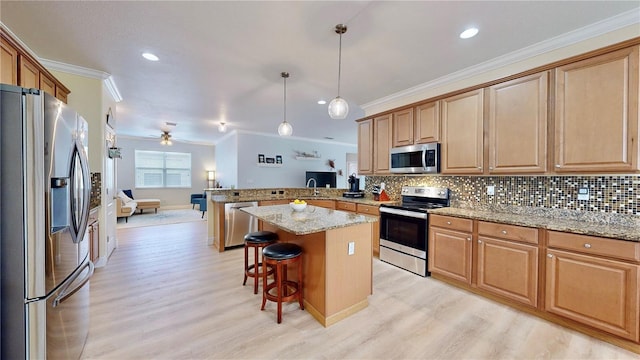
(338, 107)
(285, 129)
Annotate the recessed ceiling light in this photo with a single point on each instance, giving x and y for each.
(150, 56)
(322, 102)
(469, 33)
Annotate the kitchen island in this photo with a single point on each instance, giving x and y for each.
(337, 261)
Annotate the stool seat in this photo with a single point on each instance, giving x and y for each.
(279, 256)
(282, 251)
(257, 241)
(261, 237)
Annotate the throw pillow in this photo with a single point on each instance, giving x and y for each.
(128, 193)
(125, 199)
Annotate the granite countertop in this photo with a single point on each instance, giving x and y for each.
(551, 220)
(248, 198)
(311, 220)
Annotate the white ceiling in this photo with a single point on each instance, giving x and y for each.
(221, 60)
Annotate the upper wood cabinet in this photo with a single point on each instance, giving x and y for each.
(427, 123)
(365, 147)
(517, 125)
(381, 144)
(596, 113)
(19, 67)
(403, 127)
(28, 73)
(8, 63)
(47, 85)
(462, 133)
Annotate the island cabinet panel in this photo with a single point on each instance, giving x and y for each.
(8, 63)
(450, 248)
(462, 133)
(381, 144)
(595, 291)
(508, 269)
(427, 123)
(365, 147)
(518, 125)
(596, 113)
(28, 73)
(403, 127)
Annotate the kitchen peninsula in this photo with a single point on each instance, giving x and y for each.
(337, 262)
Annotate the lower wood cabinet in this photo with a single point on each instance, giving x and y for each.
(593, 281)
(375, 231)
(594, 290)
(328, 204)
(508, 269)
(450, 248)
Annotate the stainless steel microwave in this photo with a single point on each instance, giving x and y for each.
(415, 159)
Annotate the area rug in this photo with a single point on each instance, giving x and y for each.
(150, 218)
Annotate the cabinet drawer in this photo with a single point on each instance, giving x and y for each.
(449, 222)
(509, 232)
(345, 206)
(625, 250)
(368, 209)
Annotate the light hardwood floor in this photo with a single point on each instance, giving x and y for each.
(165, 294)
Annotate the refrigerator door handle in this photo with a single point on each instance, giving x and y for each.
(80, 193)
(65, 293)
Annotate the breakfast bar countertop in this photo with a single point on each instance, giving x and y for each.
(311, 220)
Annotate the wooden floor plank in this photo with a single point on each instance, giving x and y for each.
(165, 294)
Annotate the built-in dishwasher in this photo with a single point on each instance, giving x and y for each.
(238, 223)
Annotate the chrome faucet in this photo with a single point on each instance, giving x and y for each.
(315, 189)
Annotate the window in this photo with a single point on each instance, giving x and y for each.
(156, 169)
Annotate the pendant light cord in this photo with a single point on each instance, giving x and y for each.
(285, 96)
(339, 62)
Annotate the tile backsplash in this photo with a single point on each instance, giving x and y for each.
(607, 193)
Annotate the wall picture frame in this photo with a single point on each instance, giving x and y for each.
(278, 159)
(261, 158)
(270, 160)
(111, 121)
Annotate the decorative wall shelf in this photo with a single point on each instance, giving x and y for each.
(307, 158)
(268, 165)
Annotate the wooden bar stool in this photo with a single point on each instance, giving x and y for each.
(279, 255)
(256, 240)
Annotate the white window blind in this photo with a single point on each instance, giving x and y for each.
(157, 169)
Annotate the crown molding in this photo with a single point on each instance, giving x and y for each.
(85, 72)
(617, 22)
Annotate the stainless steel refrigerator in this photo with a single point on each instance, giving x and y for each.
(44, 208)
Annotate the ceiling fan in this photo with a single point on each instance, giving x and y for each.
(165, 138)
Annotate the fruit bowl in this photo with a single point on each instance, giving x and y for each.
(298, 206)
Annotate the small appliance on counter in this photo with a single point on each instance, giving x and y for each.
(379, 194)
(354, 188)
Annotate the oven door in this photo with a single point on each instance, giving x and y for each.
(404, 231)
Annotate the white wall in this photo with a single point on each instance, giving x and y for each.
(227, 160)
(292, 172)
(202, 159)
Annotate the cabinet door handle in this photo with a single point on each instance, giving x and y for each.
(557, 166)
(504, 232)
(490, 167)
(549, 255)
(468, 239)
(448, 222)
(587, 246)
(479, 241)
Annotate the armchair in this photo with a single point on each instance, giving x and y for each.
(203, 204)
(196, 198)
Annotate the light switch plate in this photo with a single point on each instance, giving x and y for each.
(491, 190)
(352, 248)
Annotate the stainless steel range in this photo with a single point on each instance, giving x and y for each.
(404, 228)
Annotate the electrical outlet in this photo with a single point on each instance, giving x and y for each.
(491, 190)
(352, 248)
(583, 194)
